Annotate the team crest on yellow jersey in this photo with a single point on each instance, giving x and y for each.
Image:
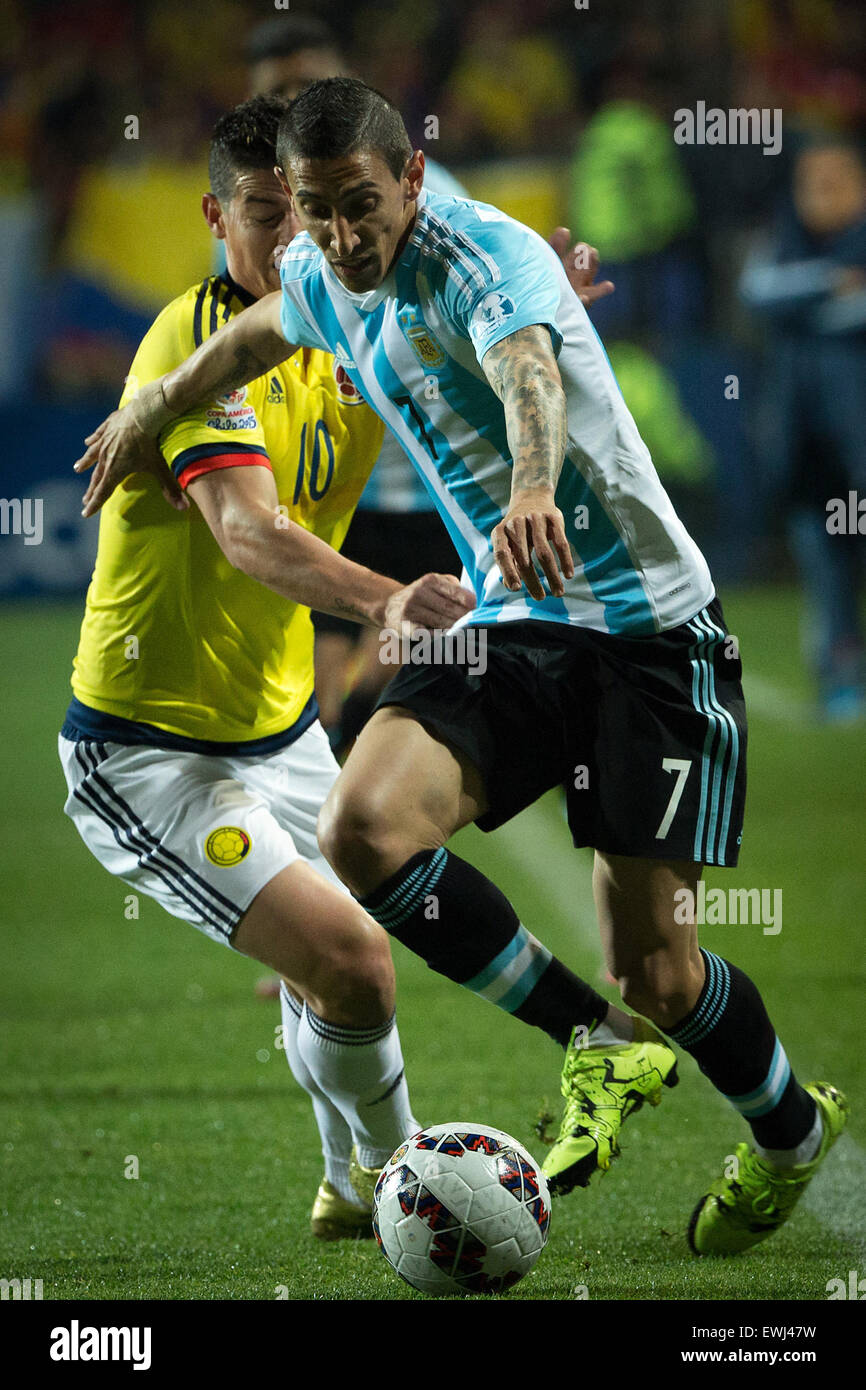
(347, 391)
(227, 846)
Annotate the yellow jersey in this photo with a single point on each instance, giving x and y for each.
(178, 648)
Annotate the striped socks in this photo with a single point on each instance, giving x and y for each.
(335, 1133)
(462, 926)
(361, 1072)
(730, 1036)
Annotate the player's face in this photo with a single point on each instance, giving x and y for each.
(258, 219)
(357, 213)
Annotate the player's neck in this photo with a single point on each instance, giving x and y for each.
(244, 292)
(407, 232)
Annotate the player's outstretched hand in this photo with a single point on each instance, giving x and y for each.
(117, 448)
(435, 602)
(533, 525)
(581, 267)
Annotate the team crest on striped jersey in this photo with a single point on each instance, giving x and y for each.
(227, 846)
(424, 344)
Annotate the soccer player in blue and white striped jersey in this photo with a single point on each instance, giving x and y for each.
(284, 53)
(607, 667)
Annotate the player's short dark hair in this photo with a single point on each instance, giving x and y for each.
(244, 138)
(338, 116)
(288, 34)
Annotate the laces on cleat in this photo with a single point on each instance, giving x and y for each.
(601, 1088)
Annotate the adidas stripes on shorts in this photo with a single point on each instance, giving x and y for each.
(201, 834)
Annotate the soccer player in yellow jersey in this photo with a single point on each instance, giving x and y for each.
(194, 759)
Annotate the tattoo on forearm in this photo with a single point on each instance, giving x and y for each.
(245, 367)
(179, 391)
(522, 371)
(351, 610)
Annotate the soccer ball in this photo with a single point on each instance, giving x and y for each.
(461, 1208)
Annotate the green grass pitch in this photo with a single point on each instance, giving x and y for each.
(140, 1039)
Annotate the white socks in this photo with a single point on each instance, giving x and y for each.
(361, 1072)
(335, 1133)
(804, 1152)
(616, 1030)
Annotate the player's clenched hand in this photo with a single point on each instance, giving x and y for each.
(117, 448)
(533, 527)
(581, 267)
(434, 601)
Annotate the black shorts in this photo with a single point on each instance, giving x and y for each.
(402, 545)
(647, 735)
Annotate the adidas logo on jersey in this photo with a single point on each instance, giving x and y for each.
(276, 394)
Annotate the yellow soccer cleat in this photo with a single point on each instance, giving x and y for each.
(739, 1212)
(602, 1086)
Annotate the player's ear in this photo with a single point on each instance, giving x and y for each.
(213, 215)
(413, 174)
(284, 183)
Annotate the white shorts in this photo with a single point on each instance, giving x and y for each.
(201, 834)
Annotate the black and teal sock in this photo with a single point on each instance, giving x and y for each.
(730, 1036)
(462, 926)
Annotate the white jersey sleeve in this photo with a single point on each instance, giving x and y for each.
(520, 286)
(300, 262)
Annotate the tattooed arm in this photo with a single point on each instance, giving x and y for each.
(233, 356)
(522, 371)
(245, 348)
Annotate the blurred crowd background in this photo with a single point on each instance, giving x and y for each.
(747, 384)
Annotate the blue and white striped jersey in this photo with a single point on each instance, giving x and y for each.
(468, 277)
(393, 485)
